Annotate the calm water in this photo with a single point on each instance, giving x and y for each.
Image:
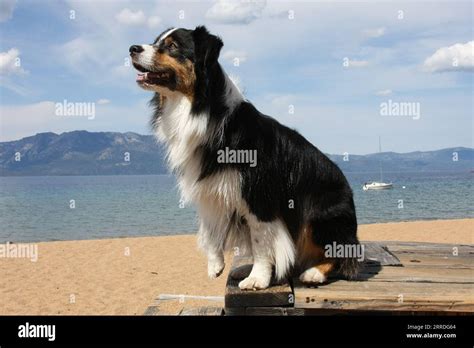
(39, 208)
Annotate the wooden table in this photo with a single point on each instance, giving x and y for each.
(396, 278)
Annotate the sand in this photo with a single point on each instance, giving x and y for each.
(123, 276)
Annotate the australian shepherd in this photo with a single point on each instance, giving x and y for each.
(282, 207)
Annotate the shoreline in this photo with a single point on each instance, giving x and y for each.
(194, 234)
(375, 171)
(123, 276)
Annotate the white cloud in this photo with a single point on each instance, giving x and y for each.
(384, 92)
(154, 22)
(136, 18)
(103, 101)
(6, 9)
(25, 120)
(459, 57)
(19, 121)
(106, 60)
(231, 55)
(282, 100)
(129, 17)
(374, 33)
(10, 62)
(348, 63)
(81, 53)
(291, 109)
(235, 11)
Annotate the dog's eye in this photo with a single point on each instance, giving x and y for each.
(172, 46)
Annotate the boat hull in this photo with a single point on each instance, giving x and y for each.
(377, 186)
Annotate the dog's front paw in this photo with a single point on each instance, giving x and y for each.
(254, 283)
(215, 268)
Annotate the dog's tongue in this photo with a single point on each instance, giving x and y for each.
(141, 77)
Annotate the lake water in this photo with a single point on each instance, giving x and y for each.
(88, 207)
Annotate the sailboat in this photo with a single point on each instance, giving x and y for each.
(378, 185)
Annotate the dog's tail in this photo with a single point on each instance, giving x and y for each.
(348, 267)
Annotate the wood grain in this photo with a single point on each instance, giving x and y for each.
(433, 278)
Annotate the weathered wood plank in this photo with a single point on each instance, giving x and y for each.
(271, 311)
(379, 253)
(397, 296)
(425, 245)
(387, 306)
(463, 250)
(202, 311)
(241, 267)
(152, 310)
(277, 295)
(430, 255)
(417, 274)
(434, 278)
(430, 261)
(430, 278)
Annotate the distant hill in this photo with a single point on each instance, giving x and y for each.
(107, 153)
(82, 153)
(418, 161)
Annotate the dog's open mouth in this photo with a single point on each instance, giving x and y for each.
(158, 77)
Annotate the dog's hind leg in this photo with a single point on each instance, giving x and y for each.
(311, 258)
(318, 273)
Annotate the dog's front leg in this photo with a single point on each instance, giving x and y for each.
(271, 246)
(212, 244)
(215, 264)
(261, 274)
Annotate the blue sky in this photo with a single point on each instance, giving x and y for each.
(332, 63)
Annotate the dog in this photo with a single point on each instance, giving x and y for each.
(284, 208)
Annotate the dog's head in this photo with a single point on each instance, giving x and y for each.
(179, 60)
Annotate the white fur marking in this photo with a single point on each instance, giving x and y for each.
(271, 245)
(274, 239)
(215, 265)
(145, 58)
(217, 196)
(233, 96)
(182, 132)
(165, 35)
(284, 252)
(312, 275)
(259, 278)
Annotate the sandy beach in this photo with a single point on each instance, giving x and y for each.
(124, 276)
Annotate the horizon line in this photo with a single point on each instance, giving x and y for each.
(151, 135)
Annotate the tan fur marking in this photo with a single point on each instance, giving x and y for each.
(326, 266)
(184, 72)
(312, 255)
(168, 41)
(307, 251)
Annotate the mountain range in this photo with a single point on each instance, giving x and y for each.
(112, 153)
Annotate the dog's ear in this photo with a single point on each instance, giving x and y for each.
(207, 47)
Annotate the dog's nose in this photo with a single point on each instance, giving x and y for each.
(135, 49)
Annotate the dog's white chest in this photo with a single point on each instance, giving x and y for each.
(220, 191)
(183, 133)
